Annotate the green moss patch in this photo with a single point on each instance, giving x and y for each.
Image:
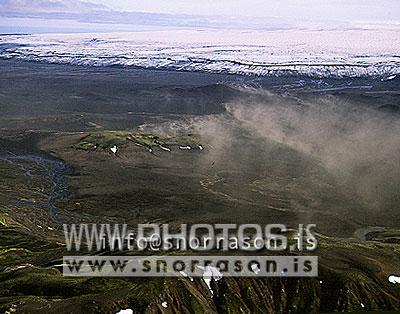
(3, 221)
(106, 139)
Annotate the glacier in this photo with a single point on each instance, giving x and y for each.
(316, 53)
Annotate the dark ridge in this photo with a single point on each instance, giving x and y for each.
(389, 108)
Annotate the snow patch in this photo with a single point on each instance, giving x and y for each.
(186, 275)
(165, 148)
(209, 273)
(114, 149)
(127, 311)
(392, 77)
(255, 268)
(394, 279)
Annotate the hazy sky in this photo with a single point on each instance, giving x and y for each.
(135, 15)
(313, 9)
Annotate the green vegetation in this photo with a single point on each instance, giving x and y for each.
(6, 250)
(106, 139)
(325, 242)
(3, 221)
(102, 140)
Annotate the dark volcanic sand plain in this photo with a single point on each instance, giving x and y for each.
(291, 150)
